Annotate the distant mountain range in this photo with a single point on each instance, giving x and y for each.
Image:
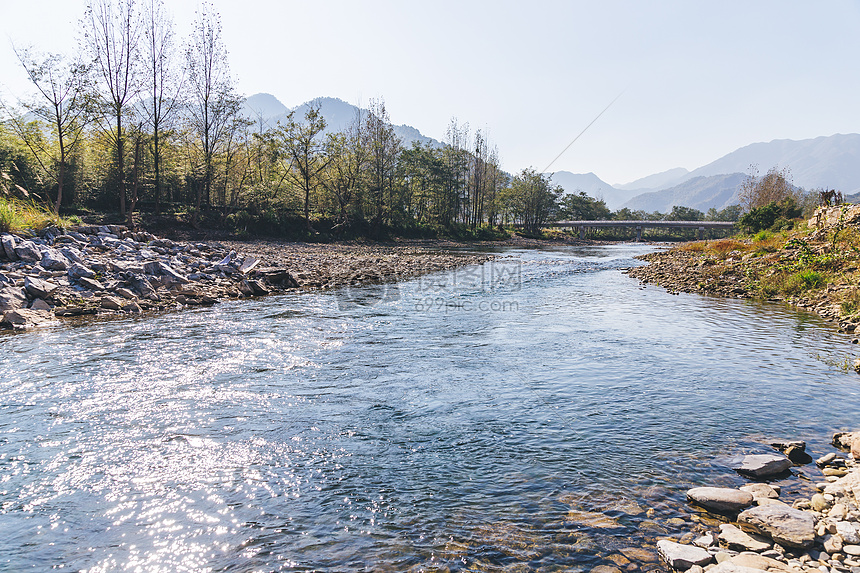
(266, 110)
(823, 162)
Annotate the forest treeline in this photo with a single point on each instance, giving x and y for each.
(137, 120)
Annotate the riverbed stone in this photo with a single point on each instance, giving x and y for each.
(111, 303)
(760, 490)
(27, 251)
(7, 247)
(12, 298)
(762, 465)
(90, 284)
(819, 502)
(38, 288)
(848, 531)
(53, 260)
(25, 317)
(40, 304)
(785, 525)
(826, 459)
(682, 557)
(721, 499)
(77, 270)
(734, 538)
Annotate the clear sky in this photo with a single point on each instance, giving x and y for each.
(699, 79)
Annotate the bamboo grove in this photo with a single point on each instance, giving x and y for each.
(137, 121)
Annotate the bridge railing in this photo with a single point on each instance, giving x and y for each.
(701, 226)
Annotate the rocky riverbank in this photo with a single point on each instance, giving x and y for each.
(98, 270)
(753, 529)
(815, 268)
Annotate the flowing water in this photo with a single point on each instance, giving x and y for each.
(542, 412)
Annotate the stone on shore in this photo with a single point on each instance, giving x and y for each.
(27, 251)
(682, 557)
(38, 288)
(7, 247)
(25, 317)
(54, 261)
(735, 539)
(12, 298)
(762, 465)
(785, 525)
(721, 499)
(760, 491)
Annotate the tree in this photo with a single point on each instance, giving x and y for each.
(581, 207)
(214, 103)
(111, 34)
(347, 157)
(533, 200)
(162, 84)
(731, 213)
(773, 187)
(383, 148)
(304, 147)
(685, 214)
(63, 107)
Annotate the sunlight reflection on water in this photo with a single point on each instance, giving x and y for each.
(299, 432)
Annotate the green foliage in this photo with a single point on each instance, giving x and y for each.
(775, 216)
(533, 200)
(27, 217)
(581, 207)
(731, 214)
(685, 214)
(762, 236)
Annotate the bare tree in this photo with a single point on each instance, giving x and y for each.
(111, 35)
(383, 148)
(163, 85)
(62, 107)
(214, 103)
(305, 149)
(772, 187)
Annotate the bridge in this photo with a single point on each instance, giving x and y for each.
(639, 225)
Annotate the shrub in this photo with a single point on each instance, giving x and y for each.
(762, 236)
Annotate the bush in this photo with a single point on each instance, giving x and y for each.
(762, 236)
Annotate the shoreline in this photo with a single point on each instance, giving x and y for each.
(108, 271)
(754, 528)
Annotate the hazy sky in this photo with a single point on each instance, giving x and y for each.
(699, 79)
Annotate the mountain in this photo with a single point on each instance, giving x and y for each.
(593, 186)
(700, 193)
(338, 115)
(661, 180)
(831, 162)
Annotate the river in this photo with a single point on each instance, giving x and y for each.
(542, 412)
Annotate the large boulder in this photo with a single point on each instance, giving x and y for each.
(762, 465)
(53, 260)
(7, 247)
(28, 251)
(12, 298)
(721, 499)
(25, 317)
(682, 557)
(735, 539)
(785, 525)
(37, 288)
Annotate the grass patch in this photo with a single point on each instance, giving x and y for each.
(28, 217)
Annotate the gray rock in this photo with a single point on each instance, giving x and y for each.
(7, 247)
(785, 525)
(762, 465)
(40, 304)
(819, 502)
(735, 539)
(721, 499)
(25, 317)
(53, 260)
(27, 251)
(38, 288)
(682, 557)
(248, 264)
(111, 303)
(760, 491)
(706, 540)
(824, 460)
(73, 254)
(77, 270)
(12, 298)
(90, 284)
(848, 532)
